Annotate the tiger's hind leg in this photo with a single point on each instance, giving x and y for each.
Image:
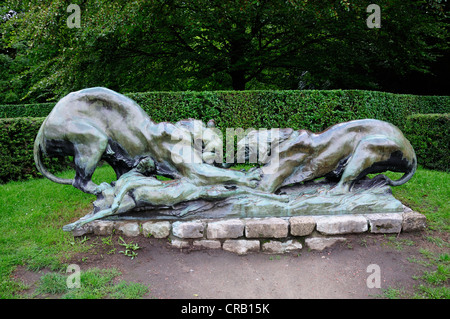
(89, 145)
(369, 156)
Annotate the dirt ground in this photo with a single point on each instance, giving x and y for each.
(340, 272)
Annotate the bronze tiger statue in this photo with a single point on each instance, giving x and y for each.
(344, 153)
(99, 124)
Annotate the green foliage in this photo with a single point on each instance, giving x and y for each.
(26, 110)
(139, 46)
(34, 211)
(269, 108)
(16, 150)
(314, 110)
(429, 135)
(427, 193)
(52, 283)
(434, 281)
(94, 284)
(130, 248)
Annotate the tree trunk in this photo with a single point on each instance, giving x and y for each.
(238, 80)
(237, 70)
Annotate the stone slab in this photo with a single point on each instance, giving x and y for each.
(302, 225)
(413, 221)
(179, 243)
(83, 230)
(240, 234)
(127, 229)
(156, 229)
(207, 243)
(320, 243)
(266, 228)
(385, 223)
(102, 228)
(192, 229)
(229, 228)
(342, 224)
(278, 247)
(241, 246)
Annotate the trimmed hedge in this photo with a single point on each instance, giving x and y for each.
(310, 109)
(26, 110)
(430, 136)
(314, 110)
(16, 150)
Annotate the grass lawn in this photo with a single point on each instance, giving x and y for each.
(428, 192)
(34, 211)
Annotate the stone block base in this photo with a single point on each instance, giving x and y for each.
(273, 235)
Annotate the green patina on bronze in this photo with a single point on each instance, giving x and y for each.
(344, 153)
(99, 124)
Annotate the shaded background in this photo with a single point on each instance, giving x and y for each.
(139, 46)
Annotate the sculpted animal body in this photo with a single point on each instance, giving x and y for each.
(100, 124)
(345, 153)
(147, 190)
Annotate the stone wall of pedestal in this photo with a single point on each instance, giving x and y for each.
(268, 235)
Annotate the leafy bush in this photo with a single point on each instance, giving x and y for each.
(429, 135)
(308, 109)
(16, 150)
(315, 110)
(26, 110)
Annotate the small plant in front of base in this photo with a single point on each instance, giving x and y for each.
(397, 243)
(107, 240)
(130, 248)
(363, 243)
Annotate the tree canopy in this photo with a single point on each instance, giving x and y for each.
(133, 46)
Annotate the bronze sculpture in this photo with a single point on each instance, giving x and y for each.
(345, 153)
(99, 124)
